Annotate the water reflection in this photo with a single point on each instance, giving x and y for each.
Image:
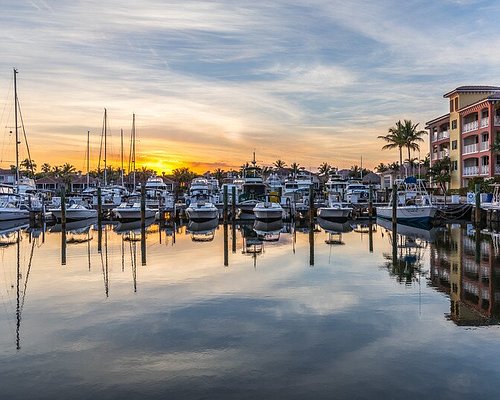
(465, 265)
(184, 313)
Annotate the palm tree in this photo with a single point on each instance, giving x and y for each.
(324, 168)
(219, 174)
(412, 136)
(279, 164)
(295, 168)
(45, 168)
(381, 168)
(395, 139)
(29, 167)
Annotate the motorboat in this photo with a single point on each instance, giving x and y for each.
(202, 211)
(413, 203)
(268, 211)
(336, 184)
(11, 211)
(132, 211)
(74, 212)
(335, 210)
(356, 192)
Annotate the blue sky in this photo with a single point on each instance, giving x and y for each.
(212, 80)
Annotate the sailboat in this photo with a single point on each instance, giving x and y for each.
(10, 208)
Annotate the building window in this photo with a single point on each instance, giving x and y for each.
(451, 106)
(456, 103)
(454, 165)
(454, 145)
(454, 124)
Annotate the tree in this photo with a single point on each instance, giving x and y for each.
(183, 176)
(279, 164)
(440, 172)
(356, 172)
(412, 135)
(381, 168)
(295, 168)
(45, 168)
(496, 145)
(219, 174)
(395, 139)
(28, 167)
(324, 168)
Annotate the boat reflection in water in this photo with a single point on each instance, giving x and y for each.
(202, 231)
(132, 227)
(334, 230)
(9, 229)
(409, 244)
(77, 231)
(268, 231)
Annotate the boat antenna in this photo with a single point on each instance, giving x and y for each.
(88, 159)
(254, 161)
(17, 129)
(121, 142)
(105, 145)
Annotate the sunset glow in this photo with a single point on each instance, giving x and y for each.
(210, 82)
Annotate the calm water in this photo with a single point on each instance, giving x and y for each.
(293, 314)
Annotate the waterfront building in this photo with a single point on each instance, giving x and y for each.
(467, 133)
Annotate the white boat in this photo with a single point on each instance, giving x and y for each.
(336, 184)
(335, 210)
(131, 211)
(413, 203)
(74, 212)
(202, 211)
(274, 182)
(268, 211)
(10, 211)
(356, 192)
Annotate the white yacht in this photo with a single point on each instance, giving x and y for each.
(200, 211)
(10, 211)
(336, 184)
(253, 191)
(274, 182)
(74, 212)
(268, 211)
(335, 209)
(413, 203)
(132, 211)
(356, 192)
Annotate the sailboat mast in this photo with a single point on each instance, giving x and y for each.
(121, 154)
(17, 130)
(361, 167)
(105, 146)
(133, 147)
(88, 158)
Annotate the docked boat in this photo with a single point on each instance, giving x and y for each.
(268, 211)
(356, 192)
(202, 211)
(10, 211)
(74, 212)
(336, 184)
(335, 210)
(131, 211)
(413, 203)
(253, 191)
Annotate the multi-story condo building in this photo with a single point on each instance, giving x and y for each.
(466, 134)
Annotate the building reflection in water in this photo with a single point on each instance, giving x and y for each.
(466, 266)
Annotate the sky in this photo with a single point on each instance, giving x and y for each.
(211, 81)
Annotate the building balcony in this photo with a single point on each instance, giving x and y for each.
(485, 170)
(497, 120)
(484, 122)
(470, 126)
(484, 146)
(471, 171)
(497, 169)
(440, 136)
(470, 148)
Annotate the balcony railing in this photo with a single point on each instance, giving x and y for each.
(484, 146)
(470, 126)
(440, 135)
(497, 120)
(471, 171)
(485, 169)
(497, 169)
(470, 148)
(484, 122)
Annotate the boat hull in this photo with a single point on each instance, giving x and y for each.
(11, 215)
(411, 214)
(74, 215)
(334, 214)
(268, 212)
(132, 214)
(202, 214)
